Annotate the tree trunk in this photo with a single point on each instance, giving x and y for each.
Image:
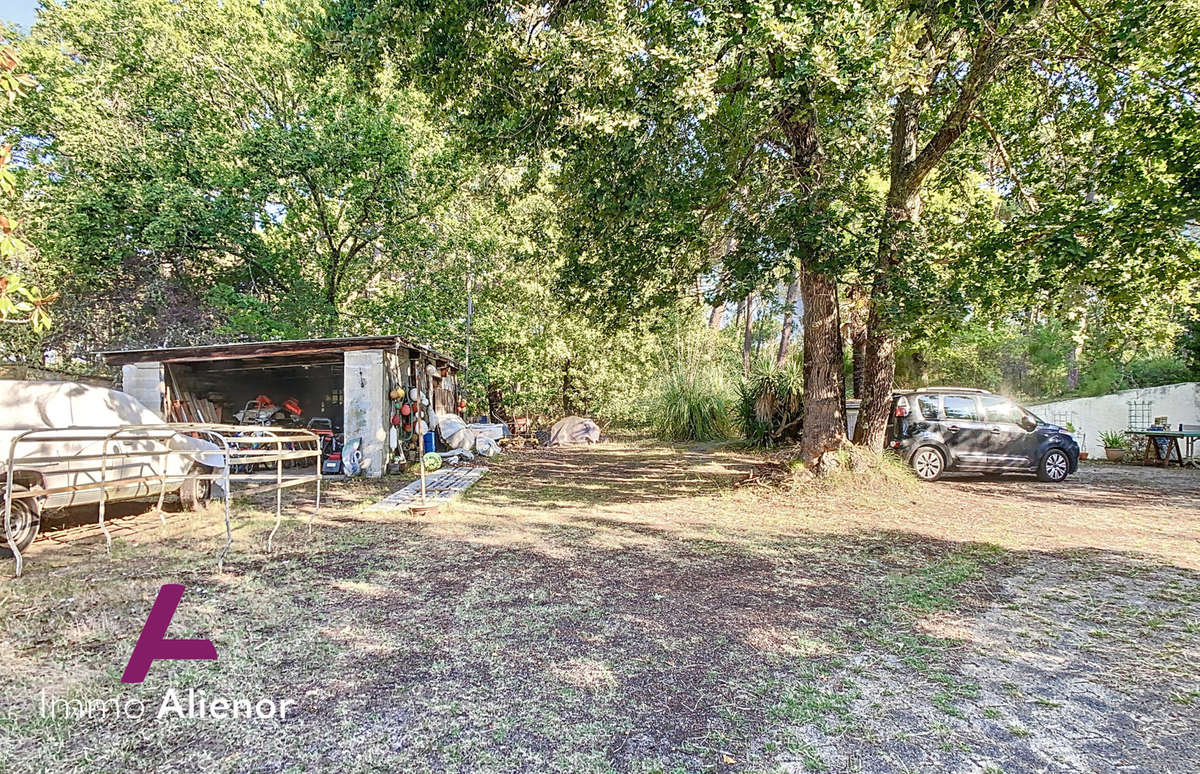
(716, 315)
(495, 398)
(856, 302)
(747, 335)
(824, 422)
(1078, 339)
(903, 208)
(567, 404)
(877, 382)
(920, 368)
(858, 360)
(785, 333)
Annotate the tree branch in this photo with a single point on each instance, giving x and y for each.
(1030, 202)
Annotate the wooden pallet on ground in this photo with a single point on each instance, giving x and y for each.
(441, 486)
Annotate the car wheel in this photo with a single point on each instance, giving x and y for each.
(195, 492)
(23, 524)
(928, 463)
(1055, 466)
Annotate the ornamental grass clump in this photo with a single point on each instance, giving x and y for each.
(691, 404)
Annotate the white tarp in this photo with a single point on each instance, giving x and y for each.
(33, 405)
(459, 435)
(493, 431)
(571, 431)
(455, 433)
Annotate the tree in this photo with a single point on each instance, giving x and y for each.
(1074, 103)
(20, 302)
(201, 167)
(670, 129)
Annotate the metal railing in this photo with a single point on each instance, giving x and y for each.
(244, 454)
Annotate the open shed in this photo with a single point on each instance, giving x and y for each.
(345, 380)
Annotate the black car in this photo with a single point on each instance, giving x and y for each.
(939, 429)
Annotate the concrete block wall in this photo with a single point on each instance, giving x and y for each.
(1180, 403)
(144, 381)
(366, 406)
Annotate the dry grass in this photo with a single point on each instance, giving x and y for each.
(641, 607)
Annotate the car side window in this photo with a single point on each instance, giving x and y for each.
(997, 409)
(928, 404)
(959, 407)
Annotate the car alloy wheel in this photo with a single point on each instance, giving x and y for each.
(1055, 466)
(927, 462)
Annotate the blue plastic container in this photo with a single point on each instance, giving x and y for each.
(429, 441)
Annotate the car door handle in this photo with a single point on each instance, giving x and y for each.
(995, 429)
(953, 428)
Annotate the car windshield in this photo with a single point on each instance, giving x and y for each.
(1032, 415)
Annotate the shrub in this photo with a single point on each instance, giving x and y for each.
(690, 404)
(770, 405)
(1114, 439)
(1154, 372)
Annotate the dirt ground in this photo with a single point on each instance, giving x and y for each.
(636, 607)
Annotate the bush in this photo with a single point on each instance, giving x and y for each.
(771, 407)
(1114, 439)
(1155, 372)
(690, 404)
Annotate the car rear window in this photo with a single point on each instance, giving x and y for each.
(928, 405)
(959, 407)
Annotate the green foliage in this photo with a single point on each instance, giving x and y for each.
(1114, 439)
(690, 407)
(690, 399)
(1157, 371)
(20, 301)
(1029, 355)
(196, 174)
(491, 180)
(771, 406)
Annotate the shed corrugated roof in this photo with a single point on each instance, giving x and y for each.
(250, 349)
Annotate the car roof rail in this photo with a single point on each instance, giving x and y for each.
(953, 389)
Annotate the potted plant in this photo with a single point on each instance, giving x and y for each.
(1115, 443)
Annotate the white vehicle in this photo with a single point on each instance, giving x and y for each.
(65, 455)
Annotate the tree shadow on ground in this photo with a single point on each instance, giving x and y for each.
(683, 651)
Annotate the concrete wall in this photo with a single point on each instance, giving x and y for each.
(144, 381)
(366, 410)
(1180, 403)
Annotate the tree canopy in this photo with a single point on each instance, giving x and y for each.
(565, 192)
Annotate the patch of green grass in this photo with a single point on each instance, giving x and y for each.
(934, 587)
(813, 699)
(945, 702)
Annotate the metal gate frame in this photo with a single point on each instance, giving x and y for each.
(237, 446)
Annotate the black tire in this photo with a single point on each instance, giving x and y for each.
(26, 521)
(929, 463)
(1055, 466)
(195, 492)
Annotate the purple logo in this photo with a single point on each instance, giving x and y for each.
(153, 645)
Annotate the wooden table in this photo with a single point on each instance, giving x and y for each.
(1172, 437)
